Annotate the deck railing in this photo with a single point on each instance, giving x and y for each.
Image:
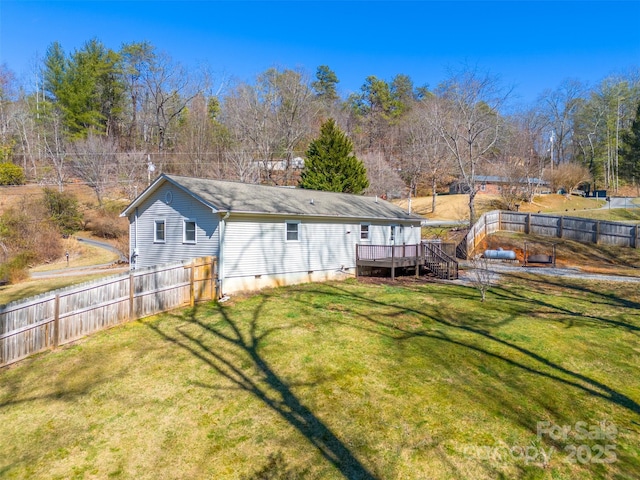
(379, 252)
(432, 255)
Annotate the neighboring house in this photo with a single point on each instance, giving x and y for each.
(296, 163)
(263, 236)
(493, 184)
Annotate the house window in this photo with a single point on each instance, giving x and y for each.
(483, 187)
(393, 234)
(189, 231)
(293, 232)
(159, 231)
(364, 232)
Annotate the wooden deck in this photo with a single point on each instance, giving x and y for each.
(426, 255)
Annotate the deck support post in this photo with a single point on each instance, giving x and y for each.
(393, 262)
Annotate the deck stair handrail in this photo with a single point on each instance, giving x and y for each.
(439, 262)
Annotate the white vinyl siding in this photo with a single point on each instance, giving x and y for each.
(256, 245)
(174, 249)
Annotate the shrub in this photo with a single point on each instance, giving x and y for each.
(15, 269)
(29, 237)
(11, 174)
(64, 211)
(107, 224)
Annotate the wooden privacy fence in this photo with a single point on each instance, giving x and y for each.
(62, 316)
(572, 228)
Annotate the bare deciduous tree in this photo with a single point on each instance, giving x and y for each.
(568, 177)
(427, 159)
(95, 161)
(518, 162)
(271, 119)
(384, 180)
(559, 106)
(481, 276)
(468, 119)
(168, 90)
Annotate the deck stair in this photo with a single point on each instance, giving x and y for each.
(438, 262)
(434, 257)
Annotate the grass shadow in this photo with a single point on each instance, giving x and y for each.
(540, 366)
(241, 344)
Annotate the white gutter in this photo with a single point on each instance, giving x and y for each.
(134, 254)
(222, 230)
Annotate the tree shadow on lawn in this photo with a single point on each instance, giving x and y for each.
(446, 317)
(238, 346)
(571, 318)
(522, 359)
(580, 287)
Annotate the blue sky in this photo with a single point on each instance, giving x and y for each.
(532, 46)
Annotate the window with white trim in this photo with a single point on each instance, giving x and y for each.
(293, 232)
(364, 232)
(393, 234)
(159, 231)
(188, 230)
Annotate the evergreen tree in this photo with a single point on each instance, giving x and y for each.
(330, 164)
(87, 88)
(630, 150)
(325, 84)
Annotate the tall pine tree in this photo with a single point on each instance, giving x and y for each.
(330, 164)
(630, 151)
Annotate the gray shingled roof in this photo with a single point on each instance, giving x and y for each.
(235, 197)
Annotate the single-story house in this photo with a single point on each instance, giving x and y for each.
(493, 184)
(262, 235)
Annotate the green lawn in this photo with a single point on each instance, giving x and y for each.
(343, 380)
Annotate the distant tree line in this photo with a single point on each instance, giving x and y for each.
(119, 117)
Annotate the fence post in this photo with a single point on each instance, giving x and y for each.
(213, 274)
(56, 321)
(636, 236)
(485, 226)
(132, 292)
(527, 226)
(561, 227)
(192, 287)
